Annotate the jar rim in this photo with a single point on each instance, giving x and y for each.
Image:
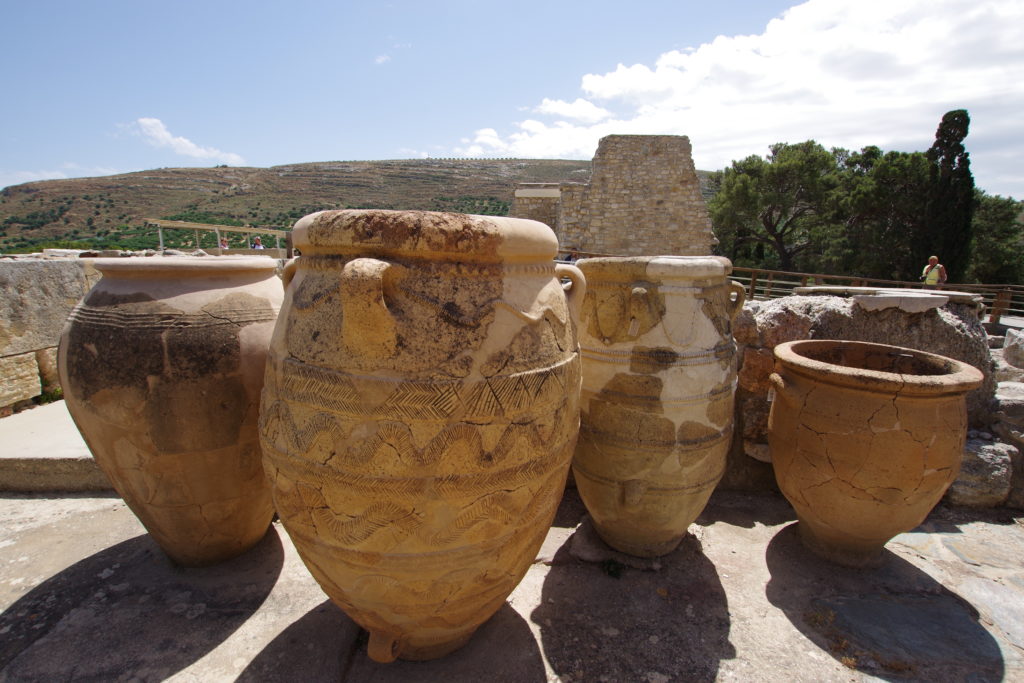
(182, 264)
(923, 373)
(666, 267)
(425, 234)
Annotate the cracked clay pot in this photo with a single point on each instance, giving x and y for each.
(162, 365)
(865, 440)
(420, 411)
(659, 376)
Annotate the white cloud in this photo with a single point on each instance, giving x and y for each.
(582, 110)
(846, 73)
(382, 59)
(8, 178)
(156, 134)
(67, 170)
(411, 153)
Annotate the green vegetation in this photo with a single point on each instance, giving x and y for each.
(194, 215)
(56, 394)
(483, 206)
(36, 219)
(109, 212)
(869, 213)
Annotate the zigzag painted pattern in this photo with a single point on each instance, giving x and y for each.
(502, 395)
(319, 475)
(321, 440)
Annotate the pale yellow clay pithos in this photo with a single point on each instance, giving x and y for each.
(865, 440)
(420, 412)
(162, 364)
(659, 376)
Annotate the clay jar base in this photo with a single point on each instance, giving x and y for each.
(638, 546)
(384, 648)
(840, 548)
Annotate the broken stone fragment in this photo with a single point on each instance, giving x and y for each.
(985, 474)
(1013, 348)
(911, 303)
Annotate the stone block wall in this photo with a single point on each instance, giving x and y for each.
(536, 201)
(36, 297)
(643, 198)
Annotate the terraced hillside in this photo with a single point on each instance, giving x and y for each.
(107, 212)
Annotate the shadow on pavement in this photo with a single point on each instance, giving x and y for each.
(947, 519)
(129, 609)
(894, 622)
(611, 622)
(745, 509)
(325, 645)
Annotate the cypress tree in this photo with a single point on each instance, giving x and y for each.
(951, 200)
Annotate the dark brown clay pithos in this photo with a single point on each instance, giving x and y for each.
(865, 440)
(659, 377)
(162, 364)
(420, 412)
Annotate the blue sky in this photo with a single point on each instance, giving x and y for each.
(108, 86)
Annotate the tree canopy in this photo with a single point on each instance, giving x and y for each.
(869, 213)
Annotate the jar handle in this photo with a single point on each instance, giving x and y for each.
(741, 295)
(383, 647)
(367, 326)
(575, 289)
(288, 272)
(633, 491)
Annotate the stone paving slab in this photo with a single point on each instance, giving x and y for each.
(85, 594)
(42, 450)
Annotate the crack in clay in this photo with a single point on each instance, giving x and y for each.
(229, 321)
(805, 489)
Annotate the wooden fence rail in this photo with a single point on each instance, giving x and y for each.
(999, 300)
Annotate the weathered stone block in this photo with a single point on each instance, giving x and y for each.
(757, 366)
(19, 378)
(35, 300)
(985, 474)
(1003, 371)
(1009, 402)
(777, 324)
(757, 451)
(744, 327)
(1013, 348)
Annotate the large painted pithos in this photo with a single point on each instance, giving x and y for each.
(162, 365)
(420, 413)
(865, 440)
(659, 377)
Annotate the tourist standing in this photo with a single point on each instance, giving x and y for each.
(934, 274)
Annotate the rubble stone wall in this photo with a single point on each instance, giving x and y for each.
(643, 198)
(36, 297)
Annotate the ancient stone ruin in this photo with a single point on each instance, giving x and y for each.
(643, 199)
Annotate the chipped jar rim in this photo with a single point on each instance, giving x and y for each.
(429, 235)
(925, 373)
